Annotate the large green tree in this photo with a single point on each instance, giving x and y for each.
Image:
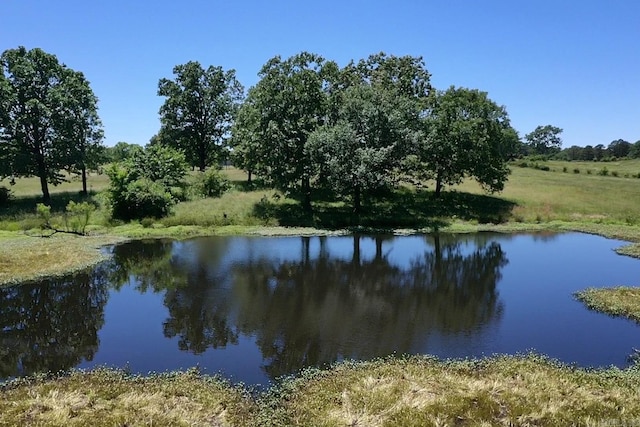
(363, 150)
(81, 126)
(544, 140)
(48, 117)
(465, 134)
(291, 103)
(245, 138)
(198, 111)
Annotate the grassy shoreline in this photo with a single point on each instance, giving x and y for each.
(621, 301)
(393, 391)
(27, 257)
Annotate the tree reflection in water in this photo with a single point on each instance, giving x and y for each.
(52, 325)
(308, 308)
(313, 310)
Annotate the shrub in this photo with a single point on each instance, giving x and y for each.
(213, 184)
(5, 196)
(139, 199)
(77, 215)
(43, 213)
(142, 187)
(576, 170)
(603, 172)
(614, 173)
(564, 169)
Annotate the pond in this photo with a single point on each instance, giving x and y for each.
(256, 308)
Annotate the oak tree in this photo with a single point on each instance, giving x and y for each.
(465, 134)
(48, 117)
(198, 111)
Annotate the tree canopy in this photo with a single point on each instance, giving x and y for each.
(48, 119)
(198, 111)
(360, 128)
(291, 101)
(465, 134)
(544, 140)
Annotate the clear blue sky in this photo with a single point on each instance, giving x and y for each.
(572, 64)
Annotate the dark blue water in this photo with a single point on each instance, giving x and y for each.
(254, 308)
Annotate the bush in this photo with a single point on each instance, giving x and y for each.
(576, 170)
(43, 213)
(142, 187)
(213, 184)
(564, 169)
(603, 172)
(140, 199)
(614, 173)
(5, 196)
(77, 216)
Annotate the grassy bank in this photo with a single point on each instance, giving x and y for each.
(412, 391)
(533, 200)
(113, 398)
(618, 301)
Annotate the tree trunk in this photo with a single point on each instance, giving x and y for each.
(438, 185)
(44, 185)
(202, 156)
(357, 200)
(356, 250)
(249, 177)
(306, 194)
(83, 168)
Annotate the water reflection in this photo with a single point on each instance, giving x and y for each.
(258, 308)
(311, 309)
(52, 325)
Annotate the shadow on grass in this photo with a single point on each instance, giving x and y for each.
(400, 209)
(22, 205)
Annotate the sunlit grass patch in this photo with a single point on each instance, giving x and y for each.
(618, 301)
(25, 257)
(423, 391)
(31, 186)
(113, 398)
(233, 208)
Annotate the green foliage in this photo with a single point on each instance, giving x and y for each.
(140, 199)
(159, 164)
(77, 216)
(465, 134)
(53, 124)
(122, 151)
(43, 213)
(198, 111)
(141, 187)
(213, 184)
(360, 152)
(290, 101)
(544, 140)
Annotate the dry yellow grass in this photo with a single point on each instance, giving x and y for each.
(110, 398)
(502, 391)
